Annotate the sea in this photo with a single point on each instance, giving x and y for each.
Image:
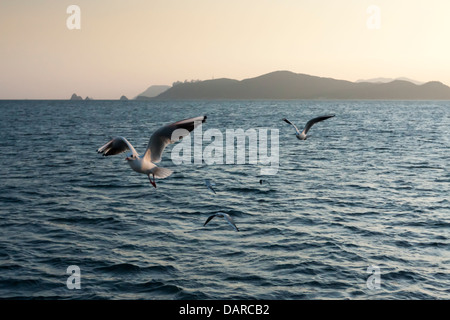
(359, 211)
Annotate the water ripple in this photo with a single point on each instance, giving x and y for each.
(376, 193)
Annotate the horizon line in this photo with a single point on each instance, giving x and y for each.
(361, 80)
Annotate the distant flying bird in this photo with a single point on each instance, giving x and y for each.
(302, 135)
(225, 216)
(210, 185)
(158, 141)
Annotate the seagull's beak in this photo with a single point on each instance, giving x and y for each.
(127, 158)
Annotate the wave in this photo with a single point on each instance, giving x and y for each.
(311, 233)
(85, 219)
(243, 190)
(126, 268)
(159, 287)
(120, 268)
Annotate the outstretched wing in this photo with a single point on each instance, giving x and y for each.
(165, 135)
(209, 219)
(116, 146)
(211, 188)
(231, 222)
(311, 122)
(295, 127)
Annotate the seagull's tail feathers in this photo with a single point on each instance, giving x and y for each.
(161, 173)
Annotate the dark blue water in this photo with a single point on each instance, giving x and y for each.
(371, 187)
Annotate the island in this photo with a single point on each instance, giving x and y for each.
(75, 97)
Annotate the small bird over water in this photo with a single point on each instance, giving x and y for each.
(145, 164)
(210, 185)
(222, 215)
(303, 135)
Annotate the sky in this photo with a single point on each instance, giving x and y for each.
(123, 47)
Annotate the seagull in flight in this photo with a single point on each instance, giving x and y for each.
(210, 185)
(302, 135)
(145, 163)
(222, 215)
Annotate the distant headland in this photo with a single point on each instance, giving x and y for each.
(280, 85)
(289, 85)
(152, 91)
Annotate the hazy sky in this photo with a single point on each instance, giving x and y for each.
(123, 47)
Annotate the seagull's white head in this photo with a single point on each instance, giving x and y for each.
(130, 157)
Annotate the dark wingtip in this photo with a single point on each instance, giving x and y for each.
(204, 118)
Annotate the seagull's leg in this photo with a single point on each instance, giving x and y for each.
(152, 182)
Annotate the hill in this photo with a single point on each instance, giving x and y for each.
(386, 80)
(289, 85)
(152, 91)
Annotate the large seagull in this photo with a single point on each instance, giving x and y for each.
(145, 164)
(303, 135)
